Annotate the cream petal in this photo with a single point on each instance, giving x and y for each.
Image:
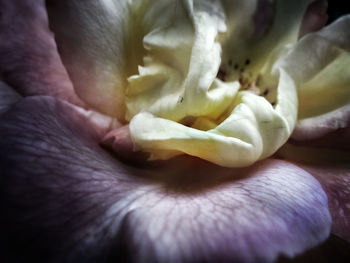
(178, 78)
(263, 50)
(320, 64)
(254, 130)
(238, 145)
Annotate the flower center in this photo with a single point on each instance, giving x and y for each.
(248, 80)
(190, 96)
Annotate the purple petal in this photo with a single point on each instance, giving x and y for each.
(28, 55)
(335, 180)
(67, 200)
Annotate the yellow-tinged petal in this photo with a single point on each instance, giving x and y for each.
(180, 105)
(320, 63)
(254, 130)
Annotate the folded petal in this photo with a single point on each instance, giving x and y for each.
(29, 60)
(321, 125)
(320, 64)
(7, 97)
(207, 124)
(254, 130)
(67, 200)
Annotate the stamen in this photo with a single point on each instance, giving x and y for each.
(222, 74)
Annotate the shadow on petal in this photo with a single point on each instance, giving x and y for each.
(29, 60)
(68, 200)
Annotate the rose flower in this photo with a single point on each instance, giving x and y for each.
(172, 131)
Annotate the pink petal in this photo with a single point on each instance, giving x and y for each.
(68, 200)
(331, 167)
(319, 126)
(315, 17)
(335, 180)
(28, 55)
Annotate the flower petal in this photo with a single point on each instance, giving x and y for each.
(29, 60)
(315, 17)
(320, 64)
(91, 37)
(331, 168)
(327, 159)
(316, 127)
(262, 50)
(67, 200)
(335, 180)
(178, 78)
(253, 130)
(7, 97)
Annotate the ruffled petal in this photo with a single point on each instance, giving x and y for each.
(210, 130)
(178, 76)
(253, 130)
(7, 97)
(67, 200)
(29, 61)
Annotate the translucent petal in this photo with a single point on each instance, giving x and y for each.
(91, 38)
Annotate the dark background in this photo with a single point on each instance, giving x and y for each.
(337, 8)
